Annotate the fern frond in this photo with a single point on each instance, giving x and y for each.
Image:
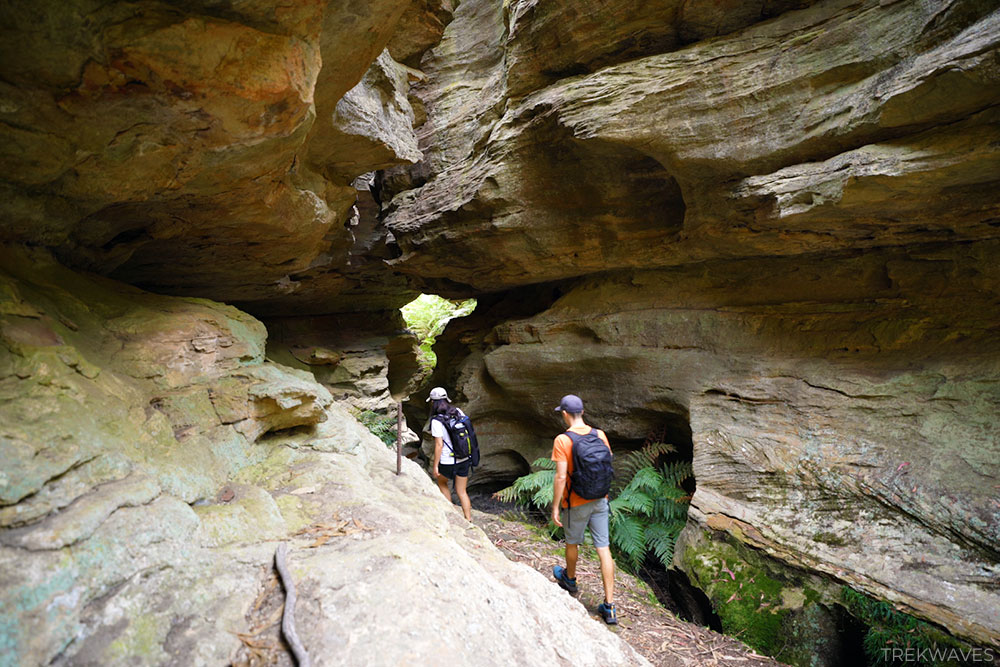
(543, 497)
(661, 537)
(635, 502)
(629, 535)
(648, 478)
(616, 506)
(525, 488)
(544, 464)
(676, 472)
(637, 460)
(668, 509)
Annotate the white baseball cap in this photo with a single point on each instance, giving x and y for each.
(437, 393)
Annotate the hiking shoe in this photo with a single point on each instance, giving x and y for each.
(559, 572)
(607, 612)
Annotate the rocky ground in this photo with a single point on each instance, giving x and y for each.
(658, 635)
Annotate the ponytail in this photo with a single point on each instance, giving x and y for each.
(441, 406)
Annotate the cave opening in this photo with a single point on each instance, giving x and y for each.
(426, 317)
(668, 441)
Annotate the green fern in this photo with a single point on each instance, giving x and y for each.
(531, 486)
(635, 461)
(383, 426)
(648, 507)
(676, 472)
(661, 538)
(889, 628)
(648, 478)
(628, 533)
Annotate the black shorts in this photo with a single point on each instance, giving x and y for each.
(460, 469)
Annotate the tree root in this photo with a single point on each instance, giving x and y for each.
(288, 618)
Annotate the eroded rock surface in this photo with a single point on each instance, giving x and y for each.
(815, 187)
(836, 400)
(767, 230)
(200, 148)
(152, 461)
(634, 165)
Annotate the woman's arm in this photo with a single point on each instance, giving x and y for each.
(438, 444)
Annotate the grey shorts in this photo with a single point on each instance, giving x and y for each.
(593, 514)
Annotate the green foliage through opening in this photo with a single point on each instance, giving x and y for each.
(426, 316)
(917, 642)
(381, 425)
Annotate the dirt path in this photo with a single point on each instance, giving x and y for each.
(657, 634)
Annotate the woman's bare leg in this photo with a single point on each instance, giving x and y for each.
(442, 482)
(461, 484)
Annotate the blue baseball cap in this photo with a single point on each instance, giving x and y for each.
(570, 403)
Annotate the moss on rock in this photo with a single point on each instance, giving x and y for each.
(779, 611)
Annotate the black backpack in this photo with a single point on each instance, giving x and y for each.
(592, 471)
(463, 437)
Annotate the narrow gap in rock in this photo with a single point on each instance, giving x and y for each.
(426, 316)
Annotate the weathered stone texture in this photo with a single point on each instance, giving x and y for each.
(770, 228)
(638, 160)
(203, 149)
(840, 397)
(141, 501)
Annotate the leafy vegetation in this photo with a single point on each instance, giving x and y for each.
(648, 506)
(648, 511)
(535, 488)
(889, 628)
(383, 426)
(426, 316)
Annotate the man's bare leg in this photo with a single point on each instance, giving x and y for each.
(607, 572)
(572, 553)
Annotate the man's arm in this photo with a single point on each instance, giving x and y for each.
(558, 488)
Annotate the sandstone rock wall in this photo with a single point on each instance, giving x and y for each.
(840, 126)
(152, 461)
(770, 229)
(778, 244)
(838, 400)
(204, 148)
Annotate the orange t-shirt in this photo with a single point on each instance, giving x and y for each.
(562, 450)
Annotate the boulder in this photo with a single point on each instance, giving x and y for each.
(153, 462)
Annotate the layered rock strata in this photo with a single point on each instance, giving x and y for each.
(204, 149)
(844, 125)
(152, 461)
(841, 420)
(816, 187)
(770, 230)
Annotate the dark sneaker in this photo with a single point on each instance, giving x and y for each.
(559, 572)
(607, 612)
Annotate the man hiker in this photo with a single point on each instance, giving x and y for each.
(581, 450)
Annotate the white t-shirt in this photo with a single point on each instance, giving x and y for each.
(438, 430)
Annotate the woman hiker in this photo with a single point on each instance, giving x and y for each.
(445, 466)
